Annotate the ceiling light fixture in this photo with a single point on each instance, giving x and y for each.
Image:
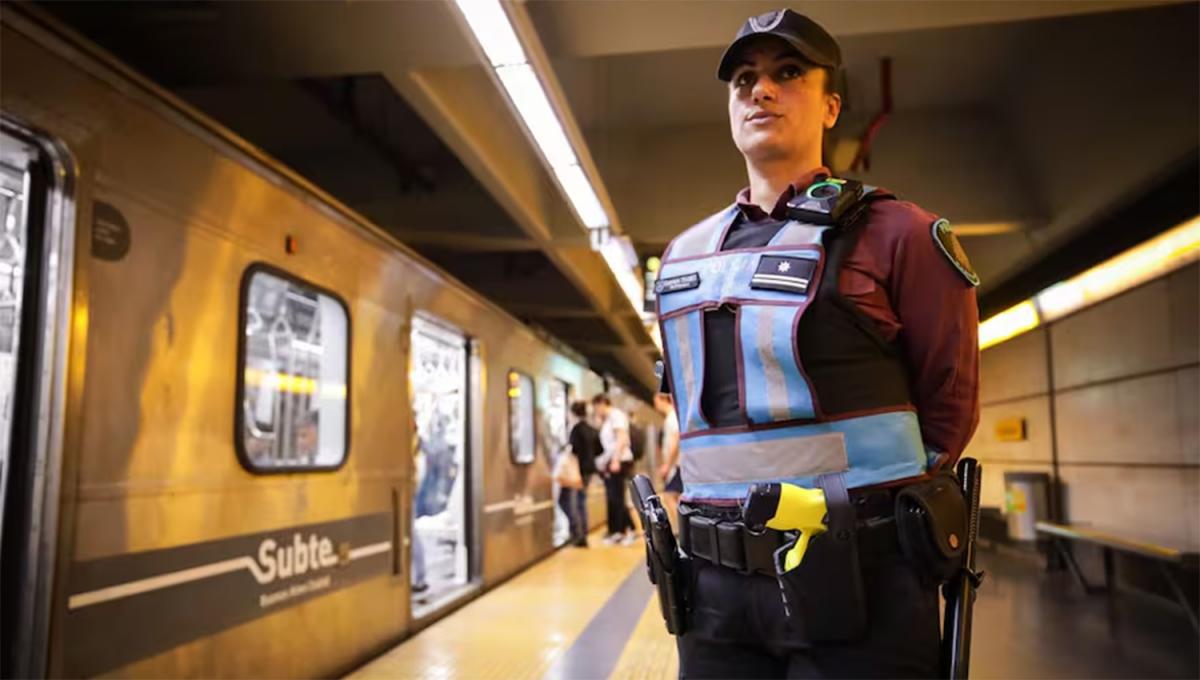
(1157, 257)
(494, 32)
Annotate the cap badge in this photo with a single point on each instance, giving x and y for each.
(765, 22)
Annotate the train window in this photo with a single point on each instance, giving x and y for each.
(13, 239)
(295, 365)
(15, 190)
(521, 425)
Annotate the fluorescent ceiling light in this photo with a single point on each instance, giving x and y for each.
(493, 30)
(986, 228)
(526, 93)
(584, 200)
(1154, 258)
(1009, 323)
(614, 255)
(1162, 254)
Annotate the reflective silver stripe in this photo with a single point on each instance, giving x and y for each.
(785, 458)
(777, 396)
(686, 369)
(698, 239)
(776, 278)
(798, 234)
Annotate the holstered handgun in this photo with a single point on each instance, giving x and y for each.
(667, 565)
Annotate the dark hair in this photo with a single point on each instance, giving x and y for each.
(602, 398)
(579, 408)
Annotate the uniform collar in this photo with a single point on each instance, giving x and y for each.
(753, 213)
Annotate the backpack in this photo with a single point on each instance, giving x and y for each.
(637, 441)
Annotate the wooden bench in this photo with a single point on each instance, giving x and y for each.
(1164, 556)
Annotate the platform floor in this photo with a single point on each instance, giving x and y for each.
(591, 614)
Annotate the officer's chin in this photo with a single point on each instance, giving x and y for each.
(762, 148)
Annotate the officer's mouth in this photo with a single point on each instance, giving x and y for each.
(762, 118)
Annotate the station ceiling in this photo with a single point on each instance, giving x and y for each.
(1024, 123)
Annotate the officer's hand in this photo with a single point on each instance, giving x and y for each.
(662, 472)
(615, 466)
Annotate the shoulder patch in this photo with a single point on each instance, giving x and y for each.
(948, 244)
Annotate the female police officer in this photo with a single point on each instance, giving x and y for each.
(821, 334)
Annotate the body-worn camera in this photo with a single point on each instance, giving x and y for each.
(826, 201)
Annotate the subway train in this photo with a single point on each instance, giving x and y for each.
(243, 431)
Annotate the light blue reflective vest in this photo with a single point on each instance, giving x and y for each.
(788, 437)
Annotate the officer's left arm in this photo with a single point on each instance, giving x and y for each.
(933, 295)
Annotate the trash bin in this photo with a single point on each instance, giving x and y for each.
(1026, 501)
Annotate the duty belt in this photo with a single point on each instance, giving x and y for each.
(719, 537)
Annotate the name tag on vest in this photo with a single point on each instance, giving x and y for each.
(677, 283)
(785, 274)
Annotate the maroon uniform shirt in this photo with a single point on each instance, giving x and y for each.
(899, 279)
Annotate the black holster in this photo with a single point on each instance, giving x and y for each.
(824, 595)
(668, 567)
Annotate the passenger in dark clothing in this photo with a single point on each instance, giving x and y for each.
(585, 442)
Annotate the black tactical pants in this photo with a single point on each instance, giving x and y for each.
(739, 629)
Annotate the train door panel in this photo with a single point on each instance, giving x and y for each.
(36, 259)
(557, 431)
(440, 552)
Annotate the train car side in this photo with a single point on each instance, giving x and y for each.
(172, 551)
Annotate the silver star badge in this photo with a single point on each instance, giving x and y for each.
(784, 267)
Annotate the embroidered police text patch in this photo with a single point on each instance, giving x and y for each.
(786, 274)
(947, 242)
(677, 283)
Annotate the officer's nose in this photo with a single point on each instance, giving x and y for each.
(764, 90)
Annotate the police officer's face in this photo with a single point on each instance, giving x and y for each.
(778, 104)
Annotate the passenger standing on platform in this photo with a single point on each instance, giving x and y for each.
(617, 463)
(821, 345)
(669, 470)
(585, 443)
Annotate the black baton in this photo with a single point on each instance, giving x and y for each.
(960, 591)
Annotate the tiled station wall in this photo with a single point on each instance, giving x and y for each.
(1126, 410)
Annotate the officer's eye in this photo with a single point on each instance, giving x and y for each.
(743, 79)
(790, 72)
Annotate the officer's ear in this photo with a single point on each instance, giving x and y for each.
(833, 109)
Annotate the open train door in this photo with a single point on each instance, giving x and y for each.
(36, 260)
(441, 545)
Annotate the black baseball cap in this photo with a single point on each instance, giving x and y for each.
(805, 35)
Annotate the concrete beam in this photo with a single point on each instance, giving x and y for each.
(461, 106)
(589, 29)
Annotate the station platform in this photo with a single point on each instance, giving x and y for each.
(592, 614)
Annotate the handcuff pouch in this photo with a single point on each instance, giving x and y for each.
(931, 520)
